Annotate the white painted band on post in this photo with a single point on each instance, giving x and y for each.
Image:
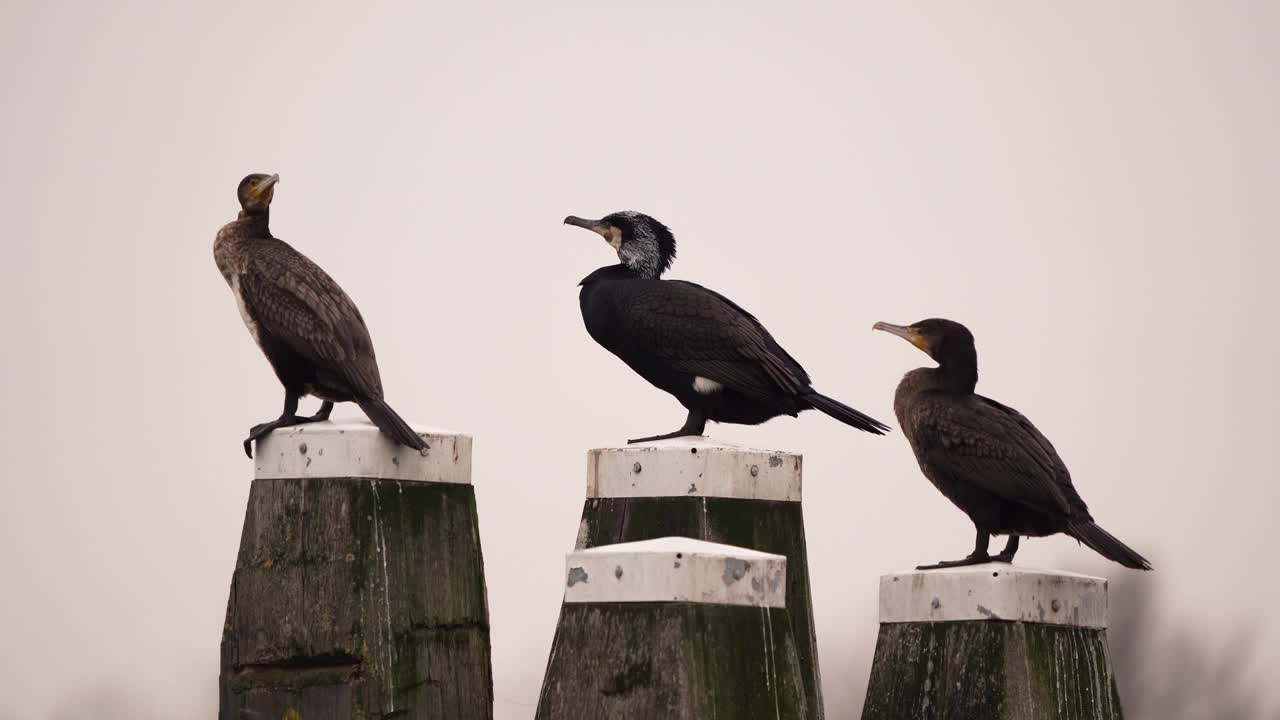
(994, 591)
(676, 569)
(693, 467)
(357, 449)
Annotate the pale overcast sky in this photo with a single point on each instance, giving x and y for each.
(1091, 187)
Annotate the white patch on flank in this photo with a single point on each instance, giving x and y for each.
(706, 387)
(244, 311)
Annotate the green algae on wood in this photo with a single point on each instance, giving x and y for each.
(768, 526)
(357, 598)
(980, 670)
(677, 661)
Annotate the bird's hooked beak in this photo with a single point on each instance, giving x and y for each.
(266, 185)
(611, 234)
(262, 191)
(907, 333)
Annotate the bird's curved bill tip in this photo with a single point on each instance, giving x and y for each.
(580, 222)
(899, 330)
(263, 186)
(905, 332)
(891, 328)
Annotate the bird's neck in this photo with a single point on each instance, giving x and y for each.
(955, 376)
(608, 273)
(643, 268)
(646, 262)
(255, 222)
(948, 378)
(623, 271)
(644, 271)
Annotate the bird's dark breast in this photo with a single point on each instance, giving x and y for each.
(599, 315)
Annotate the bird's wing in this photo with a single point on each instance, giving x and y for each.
(1046, 455)
(992, 447)
(695, 330)
(297, 303)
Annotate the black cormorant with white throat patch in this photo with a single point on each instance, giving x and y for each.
(986, 457)
(694, 343)
(309, 329)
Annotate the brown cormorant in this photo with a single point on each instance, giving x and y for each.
(694, 343)
(986, 457)
(310, 331)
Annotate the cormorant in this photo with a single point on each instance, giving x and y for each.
(694, 343)
(308, 328)
(986, 457)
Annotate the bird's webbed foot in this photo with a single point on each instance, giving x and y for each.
(979, 555)
(322, 414)
(1010, 549)
(694, 425)
(668, 436)
(972, 559)
(263, 429)
(288, 419)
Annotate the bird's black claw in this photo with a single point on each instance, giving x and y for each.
(248, 447)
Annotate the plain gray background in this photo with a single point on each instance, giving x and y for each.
(1091, 187)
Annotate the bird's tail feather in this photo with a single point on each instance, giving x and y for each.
(1106, 545)
(392, 424)
(845, 414)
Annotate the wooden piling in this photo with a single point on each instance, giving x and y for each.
(992, 642)
(359, 586)
(710, 491)
(673, 629)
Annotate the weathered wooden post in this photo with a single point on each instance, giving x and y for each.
(359, 587)
(673, 628)
(992, 641)
(710, 491)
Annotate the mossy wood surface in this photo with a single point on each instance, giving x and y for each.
(672, 661)
(989, 670)
(357, 598)
(767, 526)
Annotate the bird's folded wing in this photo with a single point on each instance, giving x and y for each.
(298, 304)
(982, 444)
(1043, 452)
(698, 331)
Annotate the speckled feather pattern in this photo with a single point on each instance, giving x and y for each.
(973, 439)
(293, 301)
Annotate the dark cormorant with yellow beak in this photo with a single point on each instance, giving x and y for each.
(310, 331)
(694, 343)
(986, 457)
